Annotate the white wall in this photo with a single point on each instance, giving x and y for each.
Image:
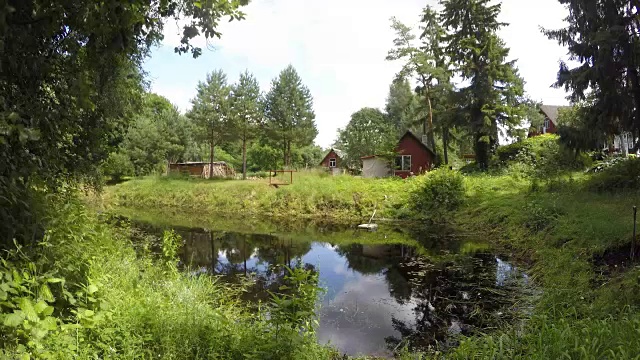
(375, 168)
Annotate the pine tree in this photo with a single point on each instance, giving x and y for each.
(494, 98)
(210, 111)
(289, 116)
(604, 37)
(246, 107)
(420, 62)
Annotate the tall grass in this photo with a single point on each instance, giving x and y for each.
(86, 293)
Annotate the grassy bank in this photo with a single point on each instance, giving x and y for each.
(577, 243)
(313, 195)
(84, 292)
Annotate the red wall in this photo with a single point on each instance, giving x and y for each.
(421, 158)
(551, 130)
(332, 154)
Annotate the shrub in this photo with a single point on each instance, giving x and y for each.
(117, 166)
(437, 193)
(623, 173)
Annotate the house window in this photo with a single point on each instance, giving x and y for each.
(403, 163)
(332, 162)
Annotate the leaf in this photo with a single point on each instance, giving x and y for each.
(40, 306)
(54, 280)
(92, 289)
(88, 313)
(29, 311)
(45, 293)
(198, 4)
(14, 319)
(49, 323)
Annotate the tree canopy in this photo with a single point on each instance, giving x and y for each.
(603, 37)
(368, 133)
(70, 79)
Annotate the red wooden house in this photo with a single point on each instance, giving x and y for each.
(413, 157)
(550, 113)
(332, 160)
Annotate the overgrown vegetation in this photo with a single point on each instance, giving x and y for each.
(99, 298)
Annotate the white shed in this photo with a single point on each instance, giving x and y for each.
(375, 167)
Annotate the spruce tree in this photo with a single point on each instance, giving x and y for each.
(289, 116)
(246, 109)
(210, 111)
(603, 36)
(494, 98)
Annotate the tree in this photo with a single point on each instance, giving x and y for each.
(158, 134)
(578, 128)
(401, 105)
(368, 133)
(603, 36)
(289, 116)
(422, 64)
(493, 99)
(246, 107)
(70, 78)
(210, 111)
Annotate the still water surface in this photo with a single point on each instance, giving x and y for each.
(384, 290)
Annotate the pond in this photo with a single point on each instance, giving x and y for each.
(398, 286)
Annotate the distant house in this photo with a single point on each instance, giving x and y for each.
(549, 126)
(333, 161)
(202, 169)
(413, 157)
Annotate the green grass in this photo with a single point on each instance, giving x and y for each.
(312, 195)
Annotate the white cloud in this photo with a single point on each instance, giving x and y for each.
(339, 48)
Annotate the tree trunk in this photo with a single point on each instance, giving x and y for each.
(482, 151)
(445, 145)
(244, 158)
(211, 155)
(430, 136)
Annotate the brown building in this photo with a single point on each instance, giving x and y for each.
(332, 161)
(201, 169)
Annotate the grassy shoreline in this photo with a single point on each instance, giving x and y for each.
(573, 239)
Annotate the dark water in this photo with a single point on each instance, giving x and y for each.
(423, 291)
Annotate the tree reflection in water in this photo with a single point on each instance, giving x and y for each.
(436, 300)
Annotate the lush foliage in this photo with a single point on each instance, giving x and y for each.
(70, 80)
(89, 294)
(602, 38)
(437, 194)
(616, 176)
(367, 133)
(246, 107)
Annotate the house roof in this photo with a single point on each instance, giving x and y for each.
(411, 134)
(339, 153)
(552, 111)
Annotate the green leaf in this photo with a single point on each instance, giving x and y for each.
(29, 311)
(198, 4)
(88, 313)
(45, 293)
(49, 323)
(92, 289)
(14, 319)
(54, 280)
(40, 306)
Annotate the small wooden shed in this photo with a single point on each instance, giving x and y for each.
(202, 169)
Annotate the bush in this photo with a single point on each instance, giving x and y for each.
(437, 193)
(540, 157)
(117, 166)
(622, 173)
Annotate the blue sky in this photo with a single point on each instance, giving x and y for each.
(339, 49)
